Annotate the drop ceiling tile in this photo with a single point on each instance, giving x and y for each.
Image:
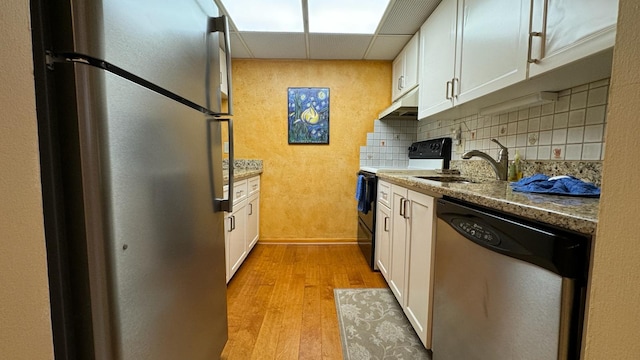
(406, 16)
(276, 45)
(387, 47)
(333, 46)
(238, 50)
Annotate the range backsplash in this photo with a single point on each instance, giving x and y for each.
(590, 171)
(571, 128)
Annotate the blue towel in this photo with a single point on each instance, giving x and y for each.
(559, 185)
(361, 195)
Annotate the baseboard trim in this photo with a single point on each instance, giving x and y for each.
(307, 241)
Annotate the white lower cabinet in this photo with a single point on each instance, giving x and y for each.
(419, 282)
(407, 249)
(383, 238)
(235, 233)
(253, 220)
(241, 227)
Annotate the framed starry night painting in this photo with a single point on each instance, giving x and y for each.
(308, 110)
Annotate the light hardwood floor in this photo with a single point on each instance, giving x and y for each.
(281, 304)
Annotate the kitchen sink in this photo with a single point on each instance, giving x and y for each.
(447, 179)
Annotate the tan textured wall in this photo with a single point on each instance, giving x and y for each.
(25, 325)
(307, 191)
(613, 327)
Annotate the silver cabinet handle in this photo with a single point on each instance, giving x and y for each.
(406, 216)
(449, 90)
(455, 87)
(401, 82)
(402, 206)
(386, 224)
(250, 208)
(230, 224)
(540, 34)
(529, 50)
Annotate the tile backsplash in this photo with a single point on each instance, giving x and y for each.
(571, 128)
(388, 143)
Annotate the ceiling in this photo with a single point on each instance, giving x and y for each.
(400, 22)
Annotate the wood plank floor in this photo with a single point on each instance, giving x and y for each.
(281, 304)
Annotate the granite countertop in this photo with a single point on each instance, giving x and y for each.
(579, 214)
(240, 174)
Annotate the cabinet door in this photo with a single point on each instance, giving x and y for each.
(405, 69)
(437, 59)
(253, 221)
(574, 29)
(491, 46)
(398, 242)
(236, 246)
(383, 239)
(411, 69)
(418, 294)
(397, 73)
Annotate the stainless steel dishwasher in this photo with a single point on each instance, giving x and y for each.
(505, 288)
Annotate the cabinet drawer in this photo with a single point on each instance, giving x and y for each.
(239, 191)
(254, 185)
(384, 193)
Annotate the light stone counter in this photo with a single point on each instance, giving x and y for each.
(579, 214)
(243, 169)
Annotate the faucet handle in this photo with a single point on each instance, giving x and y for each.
(501, 146)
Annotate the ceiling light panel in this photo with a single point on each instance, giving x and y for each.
(345, 16)
(267, 16)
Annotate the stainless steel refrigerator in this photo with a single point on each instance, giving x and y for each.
(128, 102)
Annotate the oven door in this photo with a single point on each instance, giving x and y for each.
(365, 241)
(367, 220)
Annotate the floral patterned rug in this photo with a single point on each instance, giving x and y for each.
(373, 326)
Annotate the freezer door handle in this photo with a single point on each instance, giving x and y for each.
(221, 24)
(72, 57)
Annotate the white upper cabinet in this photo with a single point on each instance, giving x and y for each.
(437, 59)
(563, 31)
(405, 69)
(471, 48)
(490, 48)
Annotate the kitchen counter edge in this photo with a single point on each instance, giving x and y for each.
(241, 174)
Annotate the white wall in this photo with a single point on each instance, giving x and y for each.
(25, 325)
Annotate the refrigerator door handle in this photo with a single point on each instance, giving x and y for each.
(221, 24)
(225, 204)
(72, 57)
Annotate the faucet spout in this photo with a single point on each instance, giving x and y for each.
(499, 167)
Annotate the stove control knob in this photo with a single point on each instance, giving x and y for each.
(413, 148)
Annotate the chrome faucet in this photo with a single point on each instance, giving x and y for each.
(499, 167)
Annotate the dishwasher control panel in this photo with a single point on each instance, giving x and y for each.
(476, 230)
